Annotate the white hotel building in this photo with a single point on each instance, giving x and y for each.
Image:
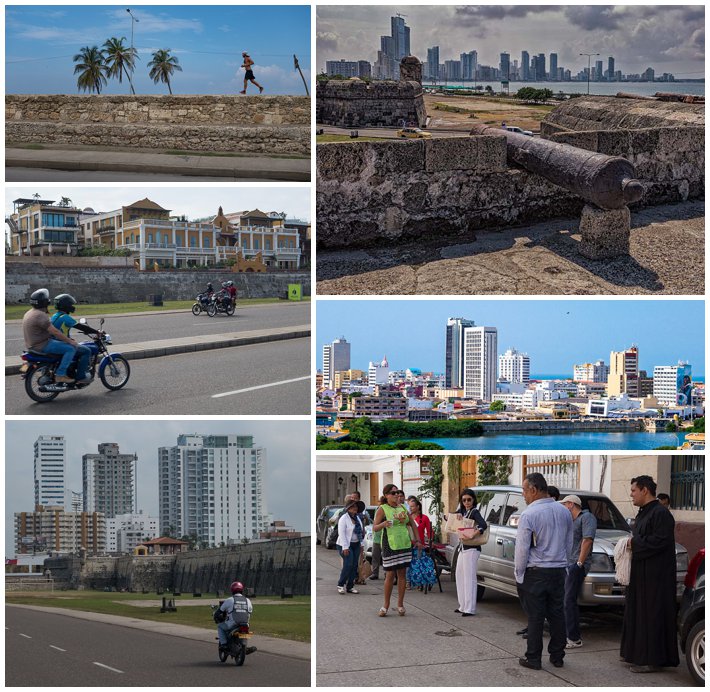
(480, 355)
(49, 469)
(514, 366)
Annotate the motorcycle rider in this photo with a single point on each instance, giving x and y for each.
(231, 289)
(238, 609)
(41, 336)
(63, 321)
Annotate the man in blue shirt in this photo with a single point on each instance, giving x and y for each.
(584, 528)
(542, 547)
(64, 322)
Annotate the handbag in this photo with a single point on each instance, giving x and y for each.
(421, 571)
(478, 539)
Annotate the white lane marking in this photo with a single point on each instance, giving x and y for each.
(51, 646)
(26, 636)
(260, 386)
(115, 670)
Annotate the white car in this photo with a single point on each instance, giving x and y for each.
(520, 131)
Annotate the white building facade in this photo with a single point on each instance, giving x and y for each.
(125, 531)
(672, 384)
(109, 481)
(378, 372)
(49, 470)
(480, 362)
(336, 358)
(591, 372)
(514, 366)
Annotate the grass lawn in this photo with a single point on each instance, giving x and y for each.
(287, 619)
(15, 312)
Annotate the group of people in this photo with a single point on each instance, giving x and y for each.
(227, 292)
(553, 552)
(51, 335)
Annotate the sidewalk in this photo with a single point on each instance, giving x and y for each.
(246, 167)
(186, 344)
(433, 646)
(271, 645)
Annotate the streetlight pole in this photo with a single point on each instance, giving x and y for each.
(589, 67)
(133, 21)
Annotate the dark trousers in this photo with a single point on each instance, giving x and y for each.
(348, 574)
(543, 597)
(573, 584)
(376, 558)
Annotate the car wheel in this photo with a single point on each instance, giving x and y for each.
(695, 652)
(317, 541)
(480, 591)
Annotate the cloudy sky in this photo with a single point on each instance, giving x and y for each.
(207, 40)
(287, 444)
(667, 38)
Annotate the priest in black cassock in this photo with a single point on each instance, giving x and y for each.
(648, 637)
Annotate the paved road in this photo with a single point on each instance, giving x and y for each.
(186, 384)
(151, 327)
(44, 649)
(24, 175)
(388, 132)
(433, 646)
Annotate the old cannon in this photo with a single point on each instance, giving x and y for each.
(607, 181)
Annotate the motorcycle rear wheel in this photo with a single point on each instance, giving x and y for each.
(223, 654)
(32, 385)
(212, 310)
(230, 309)
(115, 375)
(196, 309)
(239, 654)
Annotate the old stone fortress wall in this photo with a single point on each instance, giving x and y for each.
(273, 124)
(385, 191)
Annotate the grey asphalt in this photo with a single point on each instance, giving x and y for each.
(186, 384)
(57, 650)
(141, 327)
(433, 646)
(388, 132)
(86, 159)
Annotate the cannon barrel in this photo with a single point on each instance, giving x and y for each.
(607, 181)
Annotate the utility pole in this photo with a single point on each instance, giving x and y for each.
(297, 67)
(133, 21)
(589, 67)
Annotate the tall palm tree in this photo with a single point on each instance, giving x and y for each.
(91, 69)
(162, 67)
(120, 59)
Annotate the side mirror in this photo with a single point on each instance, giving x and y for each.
(101, 322)
(82, 320)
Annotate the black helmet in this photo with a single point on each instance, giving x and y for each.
(65, 303)
(40, 298)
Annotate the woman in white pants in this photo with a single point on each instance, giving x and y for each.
(467, 559)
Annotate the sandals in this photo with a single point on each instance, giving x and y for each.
(382, 612)
(401, 611)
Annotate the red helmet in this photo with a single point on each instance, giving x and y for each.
(237, 587)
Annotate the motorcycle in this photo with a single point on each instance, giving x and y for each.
(38, 369)
(236, 646)
(202, 303)
(221, 302)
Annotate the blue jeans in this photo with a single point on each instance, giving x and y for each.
(348, 574)
(66, 351)
(573, 584)
(84, 355)
(223, 630)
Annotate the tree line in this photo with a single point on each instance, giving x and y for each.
(115, 60)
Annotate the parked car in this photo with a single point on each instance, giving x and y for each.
(328, 537)
(501, 506)
(413, 133)
(519, 130)
(691, 618)
(322, 521)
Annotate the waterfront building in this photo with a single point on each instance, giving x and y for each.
(611, 71)
(599, 65)
(480, 351)
(504, 66)
(614, 406)
(432, 62)
(44, 227)
(525, 65)
(673, 384)
(623, 375)
(591, 390)
(384, 403)
(469, 65)
(649, 75)
(51, 529)
(553, 67)
(109, 481)
(514, 366)
(453, 70)
(348, 68)
(336, 358)
(541, 70)
(591, 372)
(49, 470)
(453, 374)
(125, 532)
(378, 372)
(211, 486)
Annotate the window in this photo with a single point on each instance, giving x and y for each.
(193, 241)
(206, 241)
(687, 482)
(256, 243)
(515, 505)
(494, 509)
(150, 237)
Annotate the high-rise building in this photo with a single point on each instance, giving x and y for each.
(49, 469)
(378, 372)
(469, 64)
(432, 59)
(348, 68)
(623, 372)
(673, 384)
(125, 531)
(504, 66)
(453, 70)
(109, 481)
(514, 367)
(649, 75)
(591, 372)
(400, 37)
(553, 67)
(599, 64)
(453, 373)
(525, 66)
(480, 351)
(611, 71)
(211, 486)
(541, 69)
(53, 529)
(336, 357)
(533, 69)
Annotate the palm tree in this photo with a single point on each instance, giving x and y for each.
(120, 59)
(162, 67)
(91, 69)
(65, 202)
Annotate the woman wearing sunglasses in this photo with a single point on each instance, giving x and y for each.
(467, 560)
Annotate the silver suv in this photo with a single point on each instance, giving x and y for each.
(501, 505)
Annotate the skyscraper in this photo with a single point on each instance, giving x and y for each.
(514, 367)
(553, 67)
(623, 372)
(432, 59)
(336, 357)
(533, 69)
(599, 64)
(211, 486)
(49, 469)
(469, 63)
(454, 351)
(611, 70)
(109, 481)
(541, 70)
(504, 66)
(480, 351)
(400, 37)
(525, 65)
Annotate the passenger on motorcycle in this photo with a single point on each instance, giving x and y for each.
(63, 321)
(238, 609)
(41, 336)
(231, 289)
(210, 289)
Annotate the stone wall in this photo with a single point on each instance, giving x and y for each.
(126, 284)
(354, 103)
(560, 426)
(263, 124)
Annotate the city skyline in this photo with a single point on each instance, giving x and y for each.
(669, 39)
(556, 335)
(208, 42)
(287, 445)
